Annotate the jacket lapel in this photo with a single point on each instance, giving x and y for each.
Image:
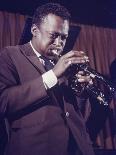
(28, 52)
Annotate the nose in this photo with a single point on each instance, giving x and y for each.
(58, 41)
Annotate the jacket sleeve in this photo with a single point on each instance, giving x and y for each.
(15, 96)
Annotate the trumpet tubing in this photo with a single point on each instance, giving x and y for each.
(90, 88)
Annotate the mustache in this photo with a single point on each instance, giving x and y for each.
(56, 50)
(59, 48)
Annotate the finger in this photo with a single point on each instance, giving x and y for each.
(91, 82)
(84, 79)
(69, 62)
(68, 55)
(76, 60)
(82, 54)
(81, 80)
(86, 58)
(74, 57)
(80, 73)
(79, 53)
(66, 63)
(75, 54)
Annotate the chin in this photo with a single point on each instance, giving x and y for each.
(52, 57)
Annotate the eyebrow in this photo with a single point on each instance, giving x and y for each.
(57, 33)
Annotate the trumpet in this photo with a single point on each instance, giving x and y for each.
(90, 89)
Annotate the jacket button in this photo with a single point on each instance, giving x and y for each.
(67, 114)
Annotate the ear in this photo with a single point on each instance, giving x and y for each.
(34, 30)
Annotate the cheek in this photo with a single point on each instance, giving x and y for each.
(64, 42)
(45, 44)
(46, 41)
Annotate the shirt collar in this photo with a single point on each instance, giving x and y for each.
(38, 54)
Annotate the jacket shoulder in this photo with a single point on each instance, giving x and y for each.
(11, 50)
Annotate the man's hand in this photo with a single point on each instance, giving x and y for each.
(82, 77)
(72, 57)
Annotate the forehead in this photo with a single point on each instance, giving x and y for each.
(55, 23)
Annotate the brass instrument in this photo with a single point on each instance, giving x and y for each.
(90, 89)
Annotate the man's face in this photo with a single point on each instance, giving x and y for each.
(51, 35)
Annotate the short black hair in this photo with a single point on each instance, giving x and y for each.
(53, 8)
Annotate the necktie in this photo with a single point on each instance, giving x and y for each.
(56, 89)
(47, 64)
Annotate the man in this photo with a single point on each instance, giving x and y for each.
(113, 75)
(41, 109)
(3, 136)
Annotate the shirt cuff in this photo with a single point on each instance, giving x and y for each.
(49, 79)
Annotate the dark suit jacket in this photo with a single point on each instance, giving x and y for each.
(39, 125)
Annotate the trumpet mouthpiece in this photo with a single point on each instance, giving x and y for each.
(55, 52)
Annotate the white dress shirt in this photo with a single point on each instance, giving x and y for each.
(49, 78)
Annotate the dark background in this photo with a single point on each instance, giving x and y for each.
(92, 12)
